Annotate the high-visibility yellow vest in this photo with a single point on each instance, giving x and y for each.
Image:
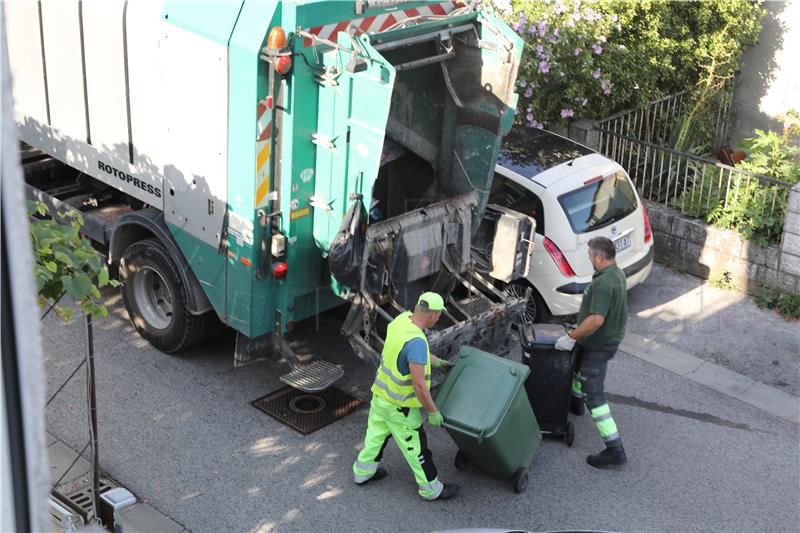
(389, 382)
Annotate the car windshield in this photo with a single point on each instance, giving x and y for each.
(600, 203)
(530, 151)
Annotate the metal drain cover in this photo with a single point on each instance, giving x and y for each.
(314, 377)
(307, 412)
(77, 495)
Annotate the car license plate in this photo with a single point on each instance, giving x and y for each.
(623, 242)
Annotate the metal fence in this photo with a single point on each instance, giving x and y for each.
(657, 121)
(698, 186)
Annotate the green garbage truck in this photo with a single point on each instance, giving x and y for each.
(256, 162)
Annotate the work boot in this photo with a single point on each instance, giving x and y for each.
(614, 456)
(449, 491)
(379, 474)
(576, 406)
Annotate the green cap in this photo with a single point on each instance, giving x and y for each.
(432, 301)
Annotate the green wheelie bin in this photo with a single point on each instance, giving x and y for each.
(487, 413)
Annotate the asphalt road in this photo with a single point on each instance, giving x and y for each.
(181, 434)
(721, 326)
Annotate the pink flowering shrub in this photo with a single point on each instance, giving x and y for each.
(561, 76)
(590, 58)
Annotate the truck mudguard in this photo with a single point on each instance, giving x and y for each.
(147, 223)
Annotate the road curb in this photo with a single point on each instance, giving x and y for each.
(713, 376)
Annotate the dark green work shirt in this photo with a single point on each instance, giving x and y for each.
(606, 295)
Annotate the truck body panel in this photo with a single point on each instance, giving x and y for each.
(183, 111)
(106, 86)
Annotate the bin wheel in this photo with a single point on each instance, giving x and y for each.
(569, 436)
(461, 462)
(520, 480)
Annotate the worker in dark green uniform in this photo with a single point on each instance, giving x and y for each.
(601, 327)
(400, 392)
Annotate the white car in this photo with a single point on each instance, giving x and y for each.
(575, 194)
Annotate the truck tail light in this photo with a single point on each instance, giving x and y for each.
(280, 270)
(561, 261)
(648, 231)
(283, 64)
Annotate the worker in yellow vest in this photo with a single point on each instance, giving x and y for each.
(400, 392)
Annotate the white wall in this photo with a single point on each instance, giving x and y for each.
(769, 83)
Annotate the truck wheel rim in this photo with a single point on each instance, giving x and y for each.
(529, 312)
(153, 297)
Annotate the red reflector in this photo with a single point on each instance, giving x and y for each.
(280, 270)
(596, 178)
(268, 102)
(561, 261)
(648, 231)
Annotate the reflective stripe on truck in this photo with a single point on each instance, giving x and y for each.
(378, 23)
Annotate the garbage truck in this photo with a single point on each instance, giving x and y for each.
(256, 162)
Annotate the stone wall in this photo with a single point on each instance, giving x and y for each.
(705, 251)
(790, 242)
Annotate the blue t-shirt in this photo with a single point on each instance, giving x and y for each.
(414, 351)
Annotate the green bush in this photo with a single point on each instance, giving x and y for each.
(66, 263)
(787, 305)
(773, 154)
(591, 58)
(755, 211)
(752, 207)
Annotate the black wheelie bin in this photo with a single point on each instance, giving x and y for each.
(549, 386)
(488, 415)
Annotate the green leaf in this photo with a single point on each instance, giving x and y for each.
(84, 255)
(78, 286)
(102, 277)
(51, 266)
(64, 258)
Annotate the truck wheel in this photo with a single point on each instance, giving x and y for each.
(156, 299)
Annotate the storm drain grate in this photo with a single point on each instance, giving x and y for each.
(80, 498)
(307, 412)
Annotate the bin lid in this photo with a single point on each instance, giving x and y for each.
(478, 392)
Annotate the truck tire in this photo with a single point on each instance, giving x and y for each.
(156, 299)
